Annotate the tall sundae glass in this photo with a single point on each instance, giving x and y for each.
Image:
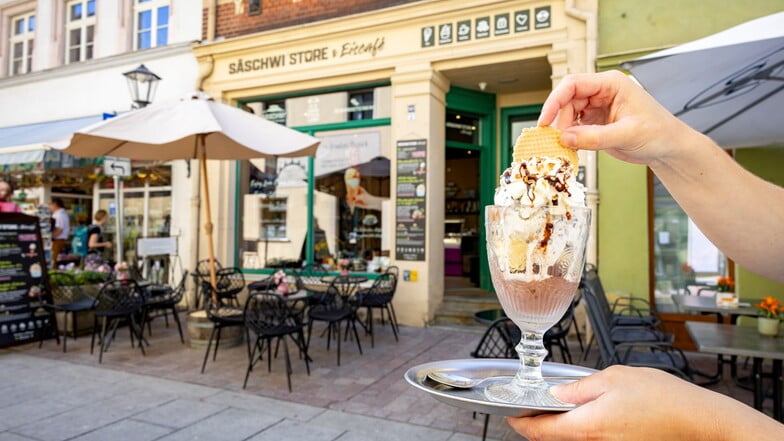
(536, 236)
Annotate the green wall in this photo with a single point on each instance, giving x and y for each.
(623, 226)
(767, 163)
(630, 28)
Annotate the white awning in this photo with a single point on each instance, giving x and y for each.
(30, 143)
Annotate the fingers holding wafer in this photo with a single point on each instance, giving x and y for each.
(542, 142)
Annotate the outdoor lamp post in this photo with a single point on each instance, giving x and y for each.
(142, 84)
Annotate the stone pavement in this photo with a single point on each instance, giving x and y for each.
(48, 395)
(44, 399)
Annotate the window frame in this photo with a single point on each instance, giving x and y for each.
(82, 24)
(27, 38)
(311, 130)
(153, 6)
(727, 269)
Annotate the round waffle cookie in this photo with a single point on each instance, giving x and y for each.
(542, 142)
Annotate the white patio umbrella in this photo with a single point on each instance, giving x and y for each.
(728, 85)
(196, 127)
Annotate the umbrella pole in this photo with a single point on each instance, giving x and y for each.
(208, 222)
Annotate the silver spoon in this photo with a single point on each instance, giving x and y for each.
(460, 382)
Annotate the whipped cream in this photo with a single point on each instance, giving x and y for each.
(540, 182)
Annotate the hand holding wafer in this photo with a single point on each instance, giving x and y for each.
(609, 111)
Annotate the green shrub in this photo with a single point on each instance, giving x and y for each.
(58, 278)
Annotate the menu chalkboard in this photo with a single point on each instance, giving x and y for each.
(411, 199)
(24, 283)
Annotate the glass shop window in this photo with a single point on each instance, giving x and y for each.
(684, 260)
(360, 105)
(462, 128)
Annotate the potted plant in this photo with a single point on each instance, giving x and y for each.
(769, 320)
(725, 292)
(69, 284)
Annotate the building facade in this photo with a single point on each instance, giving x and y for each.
(61, 69)
(416, 104)
(647, 245)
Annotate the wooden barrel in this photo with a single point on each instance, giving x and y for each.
(200, 328)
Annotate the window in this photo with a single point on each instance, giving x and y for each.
(80, 30)
(360, 105)
(22, 43)
(683, 258)
(152, 23)
(462, 128)
(147, 205)
(348, 195)
(275, 111)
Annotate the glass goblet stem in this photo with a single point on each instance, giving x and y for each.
(532, 353)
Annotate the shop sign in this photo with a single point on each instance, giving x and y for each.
(464, 30)
(499, 24)
(334, 51)
(263, 183)
(23, 281)
(411, 199)
(542, 17)
(338, 152)
(445, 33)
(522, 20)
(482, 27)
(428, 37)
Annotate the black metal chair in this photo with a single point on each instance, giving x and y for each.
(202, 274)
(379, 296)
(229, 283)
(118, 300)
(335, 306)
(498, 341)
(660, 355)
(162, 300)
(624, 311)
(626, 322)
(69, 298)
(270, 317)
(222, 313)
(557, 334)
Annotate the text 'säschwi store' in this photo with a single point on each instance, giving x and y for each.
(416, 107)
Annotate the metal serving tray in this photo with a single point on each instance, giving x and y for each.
(474, 399)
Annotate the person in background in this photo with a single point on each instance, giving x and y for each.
(6, 204)
(739, 212)
(96, 246)
(60, 230)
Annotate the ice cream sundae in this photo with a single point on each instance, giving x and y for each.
(536, 235)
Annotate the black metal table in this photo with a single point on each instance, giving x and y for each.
(707, 305)
(742, 341)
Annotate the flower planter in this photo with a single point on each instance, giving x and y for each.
(768, 326)
(84, 319)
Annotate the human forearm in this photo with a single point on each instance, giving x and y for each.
(737, 211)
